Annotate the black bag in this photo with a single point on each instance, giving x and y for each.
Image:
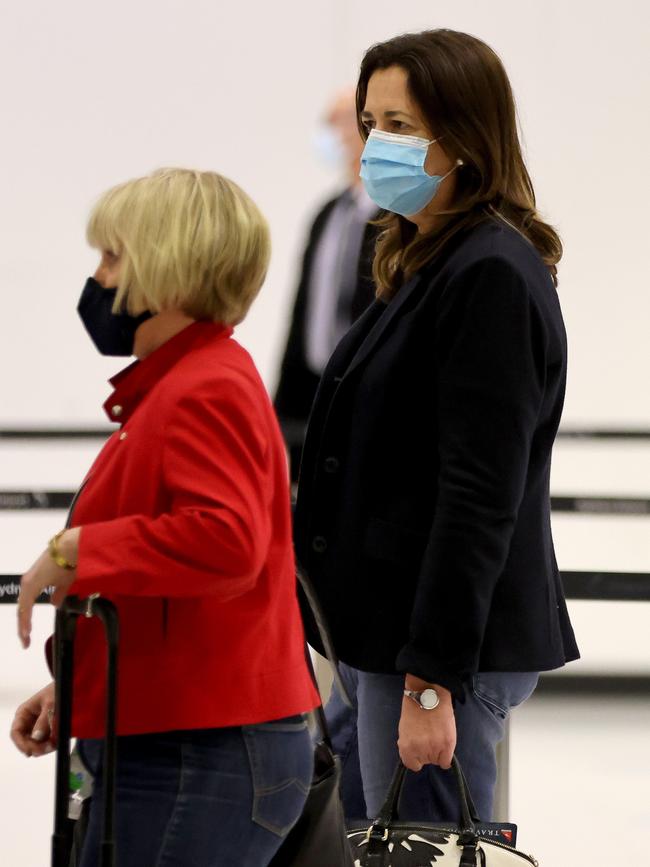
(319, 837)
(64, 828)
(389, 842)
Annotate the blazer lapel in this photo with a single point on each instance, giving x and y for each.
(382, 324)
(351, 341)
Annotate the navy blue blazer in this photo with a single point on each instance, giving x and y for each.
(423, 511)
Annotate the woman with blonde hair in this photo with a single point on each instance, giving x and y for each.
(423, 513)
(184, 523)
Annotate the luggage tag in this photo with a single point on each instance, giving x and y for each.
(81, 785)
(499, 832)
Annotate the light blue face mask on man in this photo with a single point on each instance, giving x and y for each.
(328, 145)
(392, 171)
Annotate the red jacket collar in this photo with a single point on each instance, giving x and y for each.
(135, 381)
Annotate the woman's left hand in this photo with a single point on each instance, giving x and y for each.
(427, 737)
(43, 574)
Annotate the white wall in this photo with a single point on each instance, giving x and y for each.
(96, 93)
(102, 92)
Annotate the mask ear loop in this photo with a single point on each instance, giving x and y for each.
(456, 165)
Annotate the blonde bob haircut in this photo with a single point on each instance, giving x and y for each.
(187, 240)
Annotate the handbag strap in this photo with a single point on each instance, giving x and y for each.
(319, 712)
(332, 659)
(389, 810)
(473, 812)
(323, 631)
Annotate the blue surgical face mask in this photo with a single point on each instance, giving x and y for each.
(112, 333)
(392, 171)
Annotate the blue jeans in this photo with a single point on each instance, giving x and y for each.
(365, 739)
(206, 798)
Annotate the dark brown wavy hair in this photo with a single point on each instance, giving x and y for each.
(464, 94)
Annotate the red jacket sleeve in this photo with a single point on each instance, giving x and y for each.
(215, 536)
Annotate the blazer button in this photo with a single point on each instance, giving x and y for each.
(116, 410)
(331, 465)
(319, 544)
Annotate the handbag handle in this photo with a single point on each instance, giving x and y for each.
(389, 811)
(390, 807)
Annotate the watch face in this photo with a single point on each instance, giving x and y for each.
(429, 699)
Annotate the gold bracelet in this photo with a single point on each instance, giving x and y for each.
(56, 555)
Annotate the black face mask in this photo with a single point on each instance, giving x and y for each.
(112, 333)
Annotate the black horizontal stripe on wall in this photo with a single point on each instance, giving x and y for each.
(604, 433)
(602, 505)
(607, 586)
(55, 433)
(590, 685)
(603, 586)
(11, 500)
(298, 430)
(10, 587)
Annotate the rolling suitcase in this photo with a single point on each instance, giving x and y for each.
(66, 623)
(319, 834)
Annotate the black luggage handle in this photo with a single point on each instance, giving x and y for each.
(64, 636)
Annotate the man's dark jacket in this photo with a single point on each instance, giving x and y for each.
(298, 382)
(423, 513)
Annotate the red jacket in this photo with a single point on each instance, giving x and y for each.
(187, 529)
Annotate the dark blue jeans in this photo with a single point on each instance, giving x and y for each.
(365, 738)
(206, 798)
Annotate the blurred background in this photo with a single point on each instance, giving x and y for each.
(95, 93)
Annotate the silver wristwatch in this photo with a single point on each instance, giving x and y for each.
(427, 699)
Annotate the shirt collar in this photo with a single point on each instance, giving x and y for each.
(135, 381)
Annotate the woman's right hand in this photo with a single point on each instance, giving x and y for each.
(32, 729)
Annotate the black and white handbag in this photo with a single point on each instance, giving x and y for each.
(389, 842)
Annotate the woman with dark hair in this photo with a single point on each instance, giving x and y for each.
(423, 514)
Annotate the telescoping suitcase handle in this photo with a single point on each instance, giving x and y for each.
(64, 636)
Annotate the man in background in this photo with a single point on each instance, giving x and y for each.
(335, 283)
